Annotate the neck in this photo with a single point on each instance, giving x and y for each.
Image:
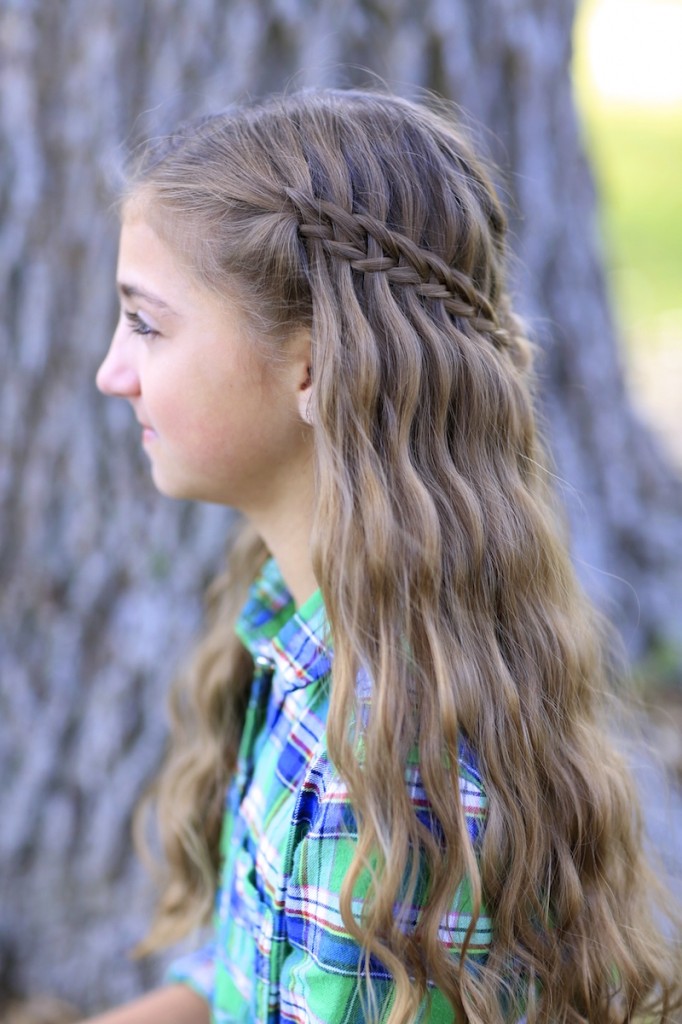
(294, 564)
(286, 533)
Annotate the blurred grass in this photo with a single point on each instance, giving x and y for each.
(636, 153)
(637, 158)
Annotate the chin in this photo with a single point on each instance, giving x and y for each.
(171, 487)
(185, 490)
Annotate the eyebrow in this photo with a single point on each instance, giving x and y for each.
(131, 291)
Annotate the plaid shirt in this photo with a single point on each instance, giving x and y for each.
(280, 950)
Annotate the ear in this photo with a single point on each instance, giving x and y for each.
(299, 347)
(305, 398)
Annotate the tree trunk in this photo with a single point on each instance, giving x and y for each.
(101, 578)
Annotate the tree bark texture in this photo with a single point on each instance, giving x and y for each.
(101, 578)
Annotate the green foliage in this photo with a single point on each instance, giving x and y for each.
(660, 671)
(637, 156)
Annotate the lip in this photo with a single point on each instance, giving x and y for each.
(148, 432)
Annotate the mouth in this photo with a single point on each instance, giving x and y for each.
(148, 433)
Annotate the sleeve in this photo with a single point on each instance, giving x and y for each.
(319, 980)
(197, 970)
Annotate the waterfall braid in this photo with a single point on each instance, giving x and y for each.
(445, 575)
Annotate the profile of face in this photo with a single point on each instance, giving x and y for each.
(219, 421)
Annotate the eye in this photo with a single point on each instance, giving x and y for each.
(140, 326)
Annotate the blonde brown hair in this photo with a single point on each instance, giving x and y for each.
(445, 575)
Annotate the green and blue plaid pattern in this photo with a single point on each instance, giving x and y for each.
(280, 950)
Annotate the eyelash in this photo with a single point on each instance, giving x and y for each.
(139, 326)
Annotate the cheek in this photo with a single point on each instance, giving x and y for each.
(214, 407)
(211, 417)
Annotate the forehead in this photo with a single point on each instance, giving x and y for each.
(141, 245)
(148, 266)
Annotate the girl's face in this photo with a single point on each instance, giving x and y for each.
(219, 422)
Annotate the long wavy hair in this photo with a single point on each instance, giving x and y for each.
(369, 220)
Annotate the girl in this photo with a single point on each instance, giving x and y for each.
(399, 684)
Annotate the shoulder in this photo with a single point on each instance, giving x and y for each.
(324, 806)
(324, 851)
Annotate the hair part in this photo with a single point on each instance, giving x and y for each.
(442, 562)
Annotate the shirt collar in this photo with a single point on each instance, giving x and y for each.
(271, 626)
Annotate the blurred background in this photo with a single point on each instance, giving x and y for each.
(101, 579)
(628, 85)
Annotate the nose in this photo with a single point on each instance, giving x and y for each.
(118, 376)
